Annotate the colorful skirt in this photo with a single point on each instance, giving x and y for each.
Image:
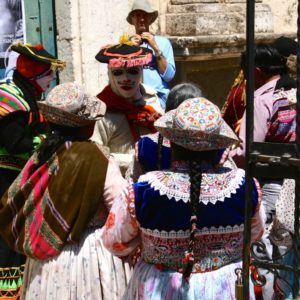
(11, 272)
(11, 282)
(149, 283)
(82, 271)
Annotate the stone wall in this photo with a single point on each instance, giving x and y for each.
(207, 36)
(284, 15)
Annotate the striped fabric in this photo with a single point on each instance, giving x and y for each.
(11, 282)
(11, 98)
(282, 125)
(50, 205)
(10, 161)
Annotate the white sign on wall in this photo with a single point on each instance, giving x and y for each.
(11, 31)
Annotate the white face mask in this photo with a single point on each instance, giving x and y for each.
(44, 81)
(125, 81)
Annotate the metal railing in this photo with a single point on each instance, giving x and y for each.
(268, 160)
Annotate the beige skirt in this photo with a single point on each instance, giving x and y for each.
(82, 271)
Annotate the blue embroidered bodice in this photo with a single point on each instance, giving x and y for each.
(223, 193)
(163, 212)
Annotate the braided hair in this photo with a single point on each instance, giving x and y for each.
(159, 151)
(195, 160)
(195, 187)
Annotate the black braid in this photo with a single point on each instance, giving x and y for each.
(30, 97)
(159, 151)
(195, 181)
(195, 160)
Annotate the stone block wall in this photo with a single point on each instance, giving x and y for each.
(207, 36)
(214, 18)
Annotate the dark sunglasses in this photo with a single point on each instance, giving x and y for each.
(130, 71)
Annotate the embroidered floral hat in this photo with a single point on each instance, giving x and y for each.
(124, 54)
(68, 105)
(196, 124)
(145, 6)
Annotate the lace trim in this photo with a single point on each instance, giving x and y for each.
(218, 188)
(186, 233)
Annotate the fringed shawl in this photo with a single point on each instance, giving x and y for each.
(50, 205)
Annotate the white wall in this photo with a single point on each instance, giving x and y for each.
(284, 14)
(84, 26)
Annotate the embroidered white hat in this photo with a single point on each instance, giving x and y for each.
(196, 124)
(68, 105)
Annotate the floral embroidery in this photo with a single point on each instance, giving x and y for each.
(130, 198)
(215, 248)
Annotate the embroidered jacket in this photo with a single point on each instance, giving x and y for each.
(155, 213)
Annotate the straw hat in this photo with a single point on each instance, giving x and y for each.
(145, 6)
(196, 124)
(68, 105)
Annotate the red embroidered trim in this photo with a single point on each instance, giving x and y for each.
(123, 55)
(131, 202)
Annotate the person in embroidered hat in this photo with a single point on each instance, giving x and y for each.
(21, 132)
(152, 151)
(161, 70)
(188, 219)
(131, 106)
(61, 200)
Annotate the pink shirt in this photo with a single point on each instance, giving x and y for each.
(114, 182)
(263, 103)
